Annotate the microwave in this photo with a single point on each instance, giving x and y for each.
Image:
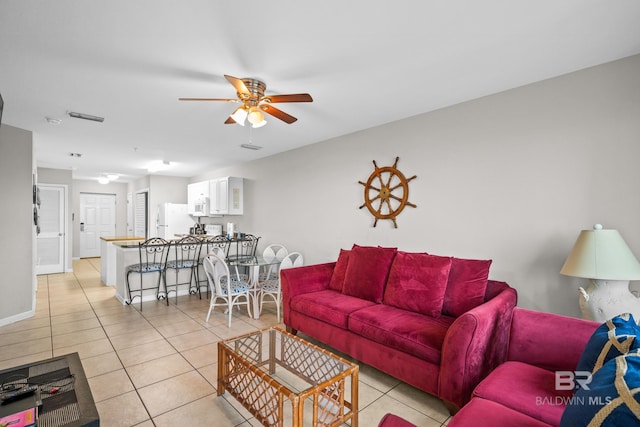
(200, 208)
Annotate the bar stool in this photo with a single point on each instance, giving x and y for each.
(210, 244)
(152, 259)
(186, 253)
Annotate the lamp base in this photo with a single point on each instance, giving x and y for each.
(605, 299)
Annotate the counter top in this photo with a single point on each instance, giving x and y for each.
(117, 238)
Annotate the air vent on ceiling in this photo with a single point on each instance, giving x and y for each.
(250, 146)
(85, 116)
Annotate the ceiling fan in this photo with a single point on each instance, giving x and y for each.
(254, 102)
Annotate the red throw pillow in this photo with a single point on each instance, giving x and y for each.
(417, 282)
(337, 278)
(367, 272)
(467, 285)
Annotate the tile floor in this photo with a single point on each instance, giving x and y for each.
(158, 367)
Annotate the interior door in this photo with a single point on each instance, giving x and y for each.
(50, 243)
(97, 218)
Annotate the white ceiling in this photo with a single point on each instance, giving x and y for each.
(364, 62)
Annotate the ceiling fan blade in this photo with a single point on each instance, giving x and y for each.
(208, 99)
(278, 113)
(238, 84)
(229, 121)
(296, 97)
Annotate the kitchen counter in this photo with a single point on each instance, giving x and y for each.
(119, 238)
(108, 256)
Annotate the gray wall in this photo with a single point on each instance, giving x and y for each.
(511, 177)
(17, 232)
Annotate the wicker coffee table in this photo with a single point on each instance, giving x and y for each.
(284, 380)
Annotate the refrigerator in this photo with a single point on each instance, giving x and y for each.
(172, 219)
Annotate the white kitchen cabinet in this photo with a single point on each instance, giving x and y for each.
(226, 196)
(198, 198)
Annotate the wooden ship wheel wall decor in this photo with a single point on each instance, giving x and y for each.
(386, 192)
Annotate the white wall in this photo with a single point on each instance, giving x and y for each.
(17, 232)
(512, 177)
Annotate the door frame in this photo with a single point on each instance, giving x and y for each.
(65, 228)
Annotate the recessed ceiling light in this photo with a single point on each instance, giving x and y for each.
(85, 116)
(250, 146)
(158, 165)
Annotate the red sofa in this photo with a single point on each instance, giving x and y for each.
(522, 391)
(436, 323)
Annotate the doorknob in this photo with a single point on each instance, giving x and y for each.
(82, 226)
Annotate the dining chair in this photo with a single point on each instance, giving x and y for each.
(183, 258)
(273, 251)
(234, 292)
(272, 288)
(152, 259)
(210, 244)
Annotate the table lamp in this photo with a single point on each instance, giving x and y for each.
(603, 257)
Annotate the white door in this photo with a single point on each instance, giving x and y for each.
(97, 218)
(50, 243)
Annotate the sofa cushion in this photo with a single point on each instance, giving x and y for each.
(613, 338)
(367, 272)
(416, 334)
(417, 282)
(612, 398)
(391, 420)
(337, 278)
(466, 286)
(488, 413)
(525, 388)
(329, 306)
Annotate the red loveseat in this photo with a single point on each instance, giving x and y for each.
(434, 322)
(522, 391)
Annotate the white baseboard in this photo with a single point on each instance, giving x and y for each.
(17, 317)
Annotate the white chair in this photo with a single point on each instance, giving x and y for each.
(272, 288)
(232, 290)
(271, 252)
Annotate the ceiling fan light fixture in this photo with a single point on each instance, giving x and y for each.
(239, 116)
(103, 180)
(255, 116)
(259, 124)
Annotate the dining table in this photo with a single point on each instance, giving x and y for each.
(253, 264)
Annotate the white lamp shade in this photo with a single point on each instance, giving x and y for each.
(239, 115)
(601, 254)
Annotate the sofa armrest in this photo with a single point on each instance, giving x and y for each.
(548, 340)
(474, 345)
(302, 280)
